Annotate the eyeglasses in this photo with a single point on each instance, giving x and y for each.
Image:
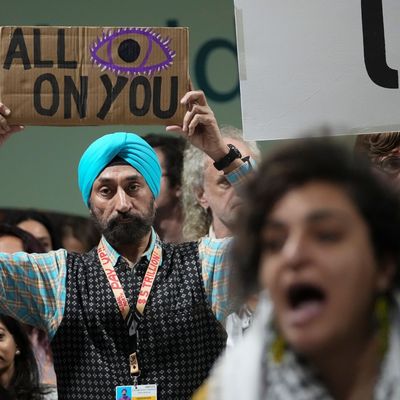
(390, 165)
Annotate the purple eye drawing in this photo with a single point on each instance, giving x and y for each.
(132, 51)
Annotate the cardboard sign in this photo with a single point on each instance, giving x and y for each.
(316, 66)
(94, 75)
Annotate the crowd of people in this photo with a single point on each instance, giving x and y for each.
(208, 271)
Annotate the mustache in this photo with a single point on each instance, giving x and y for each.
(125, 218)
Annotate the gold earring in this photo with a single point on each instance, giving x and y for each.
(381, 314)
(278, 348)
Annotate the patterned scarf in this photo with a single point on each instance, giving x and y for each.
(292, 378)
(245, 371)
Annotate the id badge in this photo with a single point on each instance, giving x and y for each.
(139, 392)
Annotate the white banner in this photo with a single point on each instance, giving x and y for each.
(315, 66)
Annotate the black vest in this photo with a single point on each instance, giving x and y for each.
(180, 337)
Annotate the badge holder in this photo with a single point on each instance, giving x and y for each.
(142, 392)
(132, 321)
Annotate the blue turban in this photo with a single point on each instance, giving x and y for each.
(128, 146)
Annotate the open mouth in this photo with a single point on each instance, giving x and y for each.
(300, 294)
(306, 301)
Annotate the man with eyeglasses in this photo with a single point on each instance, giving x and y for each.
(383, 150)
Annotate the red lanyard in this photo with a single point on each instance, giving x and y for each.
(132, 318)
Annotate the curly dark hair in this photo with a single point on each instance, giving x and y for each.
(24, 384)
(377, 144)
(295, 165)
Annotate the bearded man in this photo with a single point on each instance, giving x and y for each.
(133, 311)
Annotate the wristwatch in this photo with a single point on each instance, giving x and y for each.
(225, 161)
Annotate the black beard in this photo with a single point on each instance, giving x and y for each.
(127, 232)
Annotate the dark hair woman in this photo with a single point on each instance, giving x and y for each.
(19, 377)
(320, 237)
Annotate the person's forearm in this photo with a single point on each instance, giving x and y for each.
(32, 288)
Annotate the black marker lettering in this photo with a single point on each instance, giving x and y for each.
(374, 45)
(17, 42)
(173, 99)
(136, 82)
(62, 63)
(112, 93)
(80, 97)
(37, 52)
(37, 99)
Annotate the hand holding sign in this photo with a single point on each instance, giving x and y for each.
(94, 75)
(6, 130)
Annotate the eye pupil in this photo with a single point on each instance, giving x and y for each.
(129, 50)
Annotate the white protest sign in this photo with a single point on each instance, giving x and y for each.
(311, 64)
